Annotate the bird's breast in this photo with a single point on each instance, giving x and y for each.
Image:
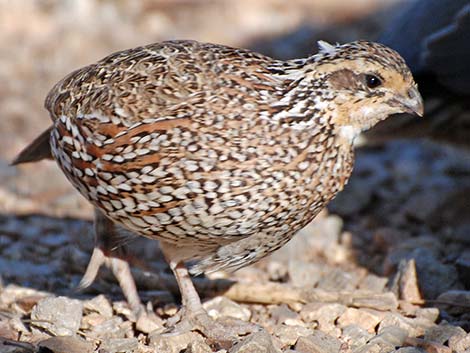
(205, 184)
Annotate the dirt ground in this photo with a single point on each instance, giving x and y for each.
(385, 269)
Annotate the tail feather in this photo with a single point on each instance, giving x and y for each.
(37, 150)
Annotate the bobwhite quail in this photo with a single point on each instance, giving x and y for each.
(222, 154)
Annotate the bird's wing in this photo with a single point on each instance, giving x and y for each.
(140, 83)
(156, 82)
(120, 140)
(447, 53)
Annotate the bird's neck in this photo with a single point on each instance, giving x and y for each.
(305, 103)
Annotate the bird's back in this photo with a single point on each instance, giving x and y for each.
(145, 82)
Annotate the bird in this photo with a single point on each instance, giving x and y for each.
(221, 154)
(431, 35)
(109, 249)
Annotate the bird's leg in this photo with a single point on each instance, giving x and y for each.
(120, 269)
(191, 303)
(105, 254)
(189, 296)
(192, 316)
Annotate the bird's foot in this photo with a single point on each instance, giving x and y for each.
(223, 332)
(121, 271)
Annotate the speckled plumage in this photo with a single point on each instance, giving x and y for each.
(222, 153)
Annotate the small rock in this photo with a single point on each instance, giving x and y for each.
(434, 276)
(376, 347)
(329, 231)
(391, 336)
(277, 271)
(377, 343)
(170, 309)
(122, 308)
(27, 303)
(325, 314)
(460, 344)
(409, 350)
(14, 346)
(412, 326)
(148, 322)
(373, 283)
(99, 304)
(377, 301)
(443, 333)
(224, 307)
(459, 301)
(428, 346)
(318, 342)
(91, 320)
(119, 345)
(198, 347)
(321, 236)
(407, 281)
(7, 331)
(66, 344)
(288, 335)
(111, 328)
(173, 343)
(60, 316)
(408, 309)
(12, 293)
(365, 318)
(18, 325)
(427, 314)
(356, 336)
(304, 274)
(295, 306)
(294, 322)
(258, 342)
(337, 280)
(281, 313)
(406, 248)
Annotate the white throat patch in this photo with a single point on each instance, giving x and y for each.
(349, 133)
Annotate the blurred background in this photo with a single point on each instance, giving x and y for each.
(407, 199)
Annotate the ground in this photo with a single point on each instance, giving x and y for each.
(386, 268)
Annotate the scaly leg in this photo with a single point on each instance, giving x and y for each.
(105, 254)
(192, 316)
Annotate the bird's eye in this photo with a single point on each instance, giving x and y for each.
(372, 81)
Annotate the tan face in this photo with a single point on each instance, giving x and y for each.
(368, 92)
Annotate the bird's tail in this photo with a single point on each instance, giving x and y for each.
(37, 150)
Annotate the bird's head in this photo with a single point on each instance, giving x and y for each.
(367, 82)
